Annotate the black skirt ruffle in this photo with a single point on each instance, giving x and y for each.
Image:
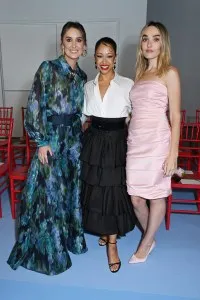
(107, 207)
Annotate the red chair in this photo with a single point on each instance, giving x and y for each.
(5, 113)
(183, 116)
(198, 116)
(18, 176)
(190, 182)
(189, 146)
(6, 128)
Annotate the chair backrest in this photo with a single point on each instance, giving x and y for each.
(6, 112)
(190, 132)
(6, 129)
(183, 116)
(198, 116)
(6, 125)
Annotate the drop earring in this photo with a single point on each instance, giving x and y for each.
(114, 67)
(63, 51)
(95, 65)
(84, 53)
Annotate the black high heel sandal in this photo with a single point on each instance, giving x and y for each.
(102, 242)
(115, 263)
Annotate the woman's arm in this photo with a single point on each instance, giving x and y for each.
(35, 118)
(174, 94)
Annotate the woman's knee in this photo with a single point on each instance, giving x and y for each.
(138, 201)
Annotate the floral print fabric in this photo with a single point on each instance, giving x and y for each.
(50, 222)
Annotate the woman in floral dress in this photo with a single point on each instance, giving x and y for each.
(50, 222)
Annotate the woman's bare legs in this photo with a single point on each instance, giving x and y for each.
(141, 211)
(150, 221)
(112, 253)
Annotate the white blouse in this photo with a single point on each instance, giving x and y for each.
(115, 103)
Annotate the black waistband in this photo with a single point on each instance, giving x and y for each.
(108, 123)
(62, 119)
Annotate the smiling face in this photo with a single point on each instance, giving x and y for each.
(105, 58)
(73, 45)
(151, 43)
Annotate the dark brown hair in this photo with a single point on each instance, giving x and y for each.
(106, 41)
(75, 25)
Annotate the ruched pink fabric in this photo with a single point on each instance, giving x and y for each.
(148, 141)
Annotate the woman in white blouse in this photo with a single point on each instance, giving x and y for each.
(107, 209)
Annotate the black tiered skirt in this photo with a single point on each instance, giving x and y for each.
(107, 207)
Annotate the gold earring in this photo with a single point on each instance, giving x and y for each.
(84, 53)
(63, 51)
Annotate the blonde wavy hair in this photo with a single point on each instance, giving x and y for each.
(164, 59)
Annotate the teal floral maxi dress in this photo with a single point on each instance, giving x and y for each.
(50, 221)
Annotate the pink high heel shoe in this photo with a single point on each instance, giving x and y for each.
(135, 260)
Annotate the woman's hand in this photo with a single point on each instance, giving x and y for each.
(42, 154)
(85, 126)
(170, 165)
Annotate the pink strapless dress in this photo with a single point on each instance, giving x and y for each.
(148, 141)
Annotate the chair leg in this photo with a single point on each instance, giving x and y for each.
(12, 193)
(168, 212)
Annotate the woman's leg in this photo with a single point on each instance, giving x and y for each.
(141, 211)
(112, 253)
(156, 216)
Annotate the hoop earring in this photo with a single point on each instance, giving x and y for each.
(84, 53)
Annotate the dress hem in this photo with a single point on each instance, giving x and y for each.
(148, 198)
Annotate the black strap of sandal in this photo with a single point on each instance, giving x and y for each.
(116, 263)
(112, 243)
(113, 264)
(103, 240)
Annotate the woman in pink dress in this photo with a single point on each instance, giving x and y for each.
(152, 141)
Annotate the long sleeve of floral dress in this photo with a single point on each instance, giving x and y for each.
(35, 118)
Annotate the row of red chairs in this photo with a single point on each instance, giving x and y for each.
(189, 160)
(184, 116)
(18, 144)
(13, 174)
(6, 128)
